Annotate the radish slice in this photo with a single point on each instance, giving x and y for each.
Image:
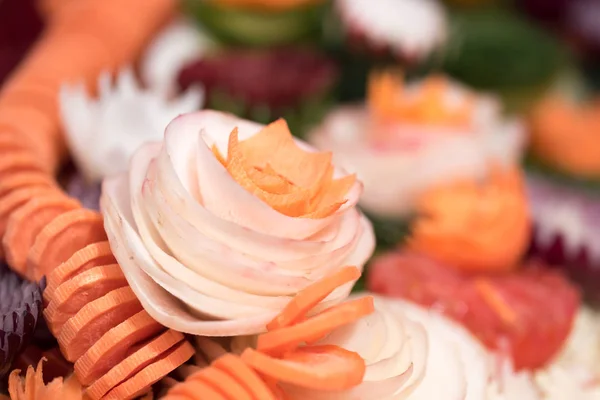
(414, 158)
(458, 367)
(205, 274)
(395, 353)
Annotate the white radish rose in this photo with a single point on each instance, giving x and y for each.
(410, 353)
(216, 232)
(408, 139)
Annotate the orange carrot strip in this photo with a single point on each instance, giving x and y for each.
(222, 382)
(92, 255)
(19, 180)
(62, 237)
(72, 295)
(95, 319)
(141, 381)
(247, 377)
(127, 365)
(191, 389)
(114, 345)
(286, 339)
(309, 297)
(315, 367)
(28, 221)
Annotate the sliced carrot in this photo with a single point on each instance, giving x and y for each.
(192, 388)
(140, 382)
(72, 295)
(39, 130)
(127, 365)
(62, 237)
(24, 93)
(95, 319)
(92, 255)
(222, 382)
(286, 339)
(315, 367)
(25, 179)
(114, 345)
(309, 297)
(246, 376)
(28, 221)
(18, 162)
(14, 200)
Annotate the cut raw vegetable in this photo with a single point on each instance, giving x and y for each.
(528, 314)
(314, 328)
(308, 298)
(139, 383)
(246, 376)
(222, 381)
(33, 387)
(20, 312)
(84, 288)
(209, 348)
(140, 357)
(95, 319)
(115, 345)
(61, 238)
(18, 180)
(314, 367)
(18, 161)
(27, 222)
(14, 200)
(93, 255)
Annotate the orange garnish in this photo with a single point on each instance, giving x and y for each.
(295, 182)
(565, 136)
(33, 387)
(427, 104)
(475, 227)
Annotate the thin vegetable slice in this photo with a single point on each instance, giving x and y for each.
(60, 239)
(139, 383)
(324, 367)
(192, 388)
(308, 298)
(27, 222)
(23, 179)
(95, 319)
(92, 255)
(222, 382)
(314, 328)
(18, 162)
(14, 200)
(138, 358)
(72, 295)
(114, 345)
(247, 377)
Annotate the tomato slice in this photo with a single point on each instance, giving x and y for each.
(527, 314)
(324, 367)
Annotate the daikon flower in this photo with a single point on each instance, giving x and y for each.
(410, 353)
(407, 139)
(103, 133)
(218, 226)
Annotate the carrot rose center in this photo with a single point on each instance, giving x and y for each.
(294, 182)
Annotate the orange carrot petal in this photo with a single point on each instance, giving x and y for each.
(288, 338)
(315, 367)
(247, 377)
(309, 297)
